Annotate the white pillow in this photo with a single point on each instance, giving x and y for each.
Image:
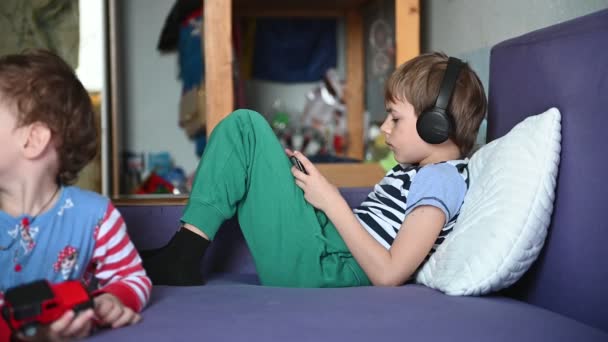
(504, 218)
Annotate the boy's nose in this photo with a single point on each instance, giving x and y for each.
(385, 128)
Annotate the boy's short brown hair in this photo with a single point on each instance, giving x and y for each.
(418, 82)
(41, 87)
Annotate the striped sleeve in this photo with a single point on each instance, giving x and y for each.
(118, 267)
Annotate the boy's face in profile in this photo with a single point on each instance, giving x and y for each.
(401, 136)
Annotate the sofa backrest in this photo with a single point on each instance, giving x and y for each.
(153, 226)
(565, 66)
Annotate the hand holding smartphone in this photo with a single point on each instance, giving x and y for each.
(297, 164)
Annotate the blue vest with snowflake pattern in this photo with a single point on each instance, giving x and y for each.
(57, 245)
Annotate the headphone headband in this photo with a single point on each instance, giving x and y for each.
(449, 83)
(435, 124)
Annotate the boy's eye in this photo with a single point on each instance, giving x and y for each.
(395, 120)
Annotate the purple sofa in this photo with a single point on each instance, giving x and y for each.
(562, 298)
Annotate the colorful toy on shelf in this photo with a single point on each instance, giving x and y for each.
(177, 177)
(158, 176)
(160, 162)
(325, 112)
(388, 162)
(155, 184)
(134, 167)
(280, 118)
(321, 128)
(377, 150)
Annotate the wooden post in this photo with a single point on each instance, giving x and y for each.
(407, 30)
(354, 96)
(113, 98)
(219, 86)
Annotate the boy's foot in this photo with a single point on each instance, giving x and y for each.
(179, 262)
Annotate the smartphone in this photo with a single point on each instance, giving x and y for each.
(297, 164)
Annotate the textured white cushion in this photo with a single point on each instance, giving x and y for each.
(504, 218)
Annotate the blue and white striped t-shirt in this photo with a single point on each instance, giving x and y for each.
(442, 185)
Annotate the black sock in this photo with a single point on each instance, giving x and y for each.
(177, 263)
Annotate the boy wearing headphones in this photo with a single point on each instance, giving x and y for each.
(300, 230)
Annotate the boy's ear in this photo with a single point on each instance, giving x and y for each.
(36, 140)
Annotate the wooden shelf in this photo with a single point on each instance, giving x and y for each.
(352, 175)
(341, 175)
(147, 200)
(295, 6)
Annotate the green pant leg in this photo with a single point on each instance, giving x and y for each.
(244, 170)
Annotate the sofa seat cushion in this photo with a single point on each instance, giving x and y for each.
(227, 309)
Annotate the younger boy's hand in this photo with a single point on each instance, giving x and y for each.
(68, 327)
(318, 191)
(111, 311)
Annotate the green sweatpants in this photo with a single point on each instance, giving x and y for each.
(244, 170)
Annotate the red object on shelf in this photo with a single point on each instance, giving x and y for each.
(339, 144)
(155, 184)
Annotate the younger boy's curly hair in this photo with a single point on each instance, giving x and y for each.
(43, 88)
(418, 81)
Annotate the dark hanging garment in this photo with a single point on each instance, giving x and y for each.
(294, 50)
(169, 36)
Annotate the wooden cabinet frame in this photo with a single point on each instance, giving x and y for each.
(217, 40)
(218, 62)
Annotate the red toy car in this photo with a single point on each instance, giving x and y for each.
(39, 303)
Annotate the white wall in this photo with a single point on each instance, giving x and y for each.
(90, 52)
(91, 71)
(469, 28)
(152, 90)
(486, 22)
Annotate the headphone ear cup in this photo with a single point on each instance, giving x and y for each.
(433, 126)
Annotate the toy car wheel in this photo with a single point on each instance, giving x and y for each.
(29, 329)
(6, 314)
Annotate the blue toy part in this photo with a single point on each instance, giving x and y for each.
(160, 162)
(200, 141)
(191, 68)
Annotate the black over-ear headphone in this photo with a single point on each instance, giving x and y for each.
(435, 124)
